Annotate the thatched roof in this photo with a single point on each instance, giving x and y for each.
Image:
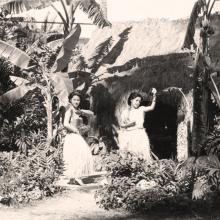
(151, 37)
(147, 38)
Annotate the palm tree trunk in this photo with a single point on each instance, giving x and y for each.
(201, 96)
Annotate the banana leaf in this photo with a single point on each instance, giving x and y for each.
(55, 44)
(14, 55)
(18, 6)
(214, 89)
(189, 37)
(15, 94)
(18, 80)
(69, 44)
(62, 86)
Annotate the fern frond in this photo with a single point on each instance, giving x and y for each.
(115, 52)
(100, 52)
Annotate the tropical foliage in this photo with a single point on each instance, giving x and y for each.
(137, 186)
(24, 179)
(203, 67)
(90, 7)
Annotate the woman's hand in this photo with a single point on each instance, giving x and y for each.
(128, 125)
(79, 112)
(154, 91)
(75, 131)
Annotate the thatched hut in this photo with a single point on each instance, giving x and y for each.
(150, 56)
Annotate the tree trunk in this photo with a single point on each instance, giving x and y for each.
(49, 117)
(200, 107)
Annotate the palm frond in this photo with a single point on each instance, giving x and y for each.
(190, 32)
(115, 52)
(81, 63)
(94, 11)
(81, 80)
(100, 52)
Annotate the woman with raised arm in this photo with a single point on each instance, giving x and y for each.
(132, 135)
(78, 161)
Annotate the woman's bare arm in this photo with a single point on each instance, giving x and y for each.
(150, 107)
(87, 113)
(125, 123)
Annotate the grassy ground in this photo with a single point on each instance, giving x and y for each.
(78, 203)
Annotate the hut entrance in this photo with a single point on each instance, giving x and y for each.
(161, 126)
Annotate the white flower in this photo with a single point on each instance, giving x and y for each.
(144, 184)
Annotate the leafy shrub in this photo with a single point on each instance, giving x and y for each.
(21, 120)
(136, 186)
(212, 145)
(24, 179)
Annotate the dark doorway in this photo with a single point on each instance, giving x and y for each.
(161, 126)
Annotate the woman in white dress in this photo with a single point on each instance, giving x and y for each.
(78, 161)
(132, 135)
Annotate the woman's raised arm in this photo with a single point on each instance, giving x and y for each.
(150, 107)
(87, 112)
(153, 103)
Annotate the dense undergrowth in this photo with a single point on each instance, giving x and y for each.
(164, 185)
(27, 178)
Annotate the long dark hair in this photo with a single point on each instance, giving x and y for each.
(134, 95)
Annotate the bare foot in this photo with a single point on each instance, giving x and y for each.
(79, 181)
(75, 181)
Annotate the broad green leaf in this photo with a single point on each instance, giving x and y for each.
(15, 94)
(18, 6)
(69, 44)
(54, 44)
(62, 86)
(190, 32)
(14, 55)
(18, 80)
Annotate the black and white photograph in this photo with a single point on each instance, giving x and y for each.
(109, 109)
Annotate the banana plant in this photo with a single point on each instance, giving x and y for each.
(50, 84)
(201, 14)
(87, 73)
(90, 7)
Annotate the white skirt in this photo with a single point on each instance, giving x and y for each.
(135, 141)
(77, 157)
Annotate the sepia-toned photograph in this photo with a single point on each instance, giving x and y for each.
(109, 109)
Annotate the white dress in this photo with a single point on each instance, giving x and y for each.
(77, 156)
(134, 139)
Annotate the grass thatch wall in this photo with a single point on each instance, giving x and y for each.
(172, 70)
(151, 57)
(157, 71)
